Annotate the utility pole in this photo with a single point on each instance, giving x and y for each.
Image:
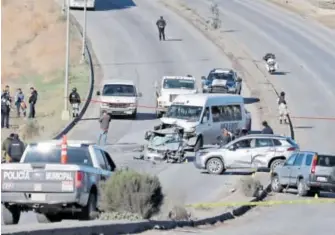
(65, 113)
(84, 33)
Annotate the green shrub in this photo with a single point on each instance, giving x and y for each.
(132, 192)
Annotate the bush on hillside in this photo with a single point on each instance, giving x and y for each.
(30, 130)
(128, 191)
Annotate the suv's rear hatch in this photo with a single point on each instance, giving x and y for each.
(44, 178)
(324, 169)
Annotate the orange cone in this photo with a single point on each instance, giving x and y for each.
(64, 150)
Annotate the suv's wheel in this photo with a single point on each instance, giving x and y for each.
(276, 163)
(215, 166)
(275, 184)
(10, 214)
(133, 115)
(90, 210)
(48, 218)
(198, 144)
(302, 188)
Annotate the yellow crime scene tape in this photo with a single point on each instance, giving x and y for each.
(263, 203)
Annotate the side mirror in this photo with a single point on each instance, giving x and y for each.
(232, 148)
(98, 93)
(203, 78)
(139, 94)
(147, 135)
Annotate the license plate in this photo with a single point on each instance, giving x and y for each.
(321, 179)
(39, 197)
(118, 112)
(67, 186)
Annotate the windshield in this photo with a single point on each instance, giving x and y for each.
(190, 113)
(76, 155)
(221, 76)
(178, 84)
(118, 90)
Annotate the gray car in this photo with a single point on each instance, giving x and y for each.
(309, 172)
(250, 151)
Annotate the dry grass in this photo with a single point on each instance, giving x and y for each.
(322, 11)
(33, 54)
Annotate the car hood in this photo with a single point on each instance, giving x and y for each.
(166, 92)
(179, 122)
(118, 99)
(220, 82)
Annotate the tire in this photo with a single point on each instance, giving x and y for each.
(276, 163)
(48, 218)
(159, 114)
(198, 144)
(275, 185)
(218, 169)
(88, 212)
(10, 215)
(133, 116)
(302, 188)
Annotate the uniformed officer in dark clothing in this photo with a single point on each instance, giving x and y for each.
(161, 23)
(15, 149)
(267, 129)
(281, 98)
(74, 99)
(5, 146)
(32, 102)
(5, 107)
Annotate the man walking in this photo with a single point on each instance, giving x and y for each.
(104, 126)
(161, 23)
(267, 129)
(19, 103)
(5, 108)
(32, 102)
(74, 99)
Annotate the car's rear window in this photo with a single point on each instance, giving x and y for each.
(326, 160)
(76, 155)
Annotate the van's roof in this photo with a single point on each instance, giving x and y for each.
(118, 81)
(69, 142)
(200, 99)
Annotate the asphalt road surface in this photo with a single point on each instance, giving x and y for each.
(125, 41)
(306, 56)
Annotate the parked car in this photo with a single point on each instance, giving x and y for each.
(250, 151)
(222, 81)
(309, 172)
(53, 190)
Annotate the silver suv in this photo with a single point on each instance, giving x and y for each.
(309, 172)
(250, 151)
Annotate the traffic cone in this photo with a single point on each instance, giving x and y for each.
(316, 196)
(64, 150)
(186, 161)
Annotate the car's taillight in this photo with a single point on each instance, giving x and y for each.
(79, 179)
(291, 149)
(314, 162)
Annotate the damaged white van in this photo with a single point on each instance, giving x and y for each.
(203, 116)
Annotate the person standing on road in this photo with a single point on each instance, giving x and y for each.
(266, 128)
(74, 99)
(32, 102)
(15, 149)
(226, 137)
(104, 126)
(19, 103)
(161, 24)
(281, 98)
(5, 107)
(283, 112)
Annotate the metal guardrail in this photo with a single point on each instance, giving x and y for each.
(88, 99)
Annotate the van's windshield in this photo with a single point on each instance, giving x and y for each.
(185, 112)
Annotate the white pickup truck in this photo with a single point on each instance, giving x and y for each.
(53, 190)
(170, 88)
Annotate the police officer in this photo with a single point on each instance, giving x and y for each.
(161, 23)
(5, 146)
(281, 98)
(74, 99)
(15, 149)
(5, 107)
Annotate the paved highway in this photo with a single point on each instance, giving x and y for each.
(125, 41)
(306, 55)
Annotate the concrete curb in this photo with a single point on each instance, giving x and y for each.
(88, 98)
(119, 227)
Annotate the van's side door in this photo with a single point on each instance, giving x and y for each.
(206, 127)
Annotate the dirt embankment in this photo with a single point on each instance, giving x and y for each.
(33, 55)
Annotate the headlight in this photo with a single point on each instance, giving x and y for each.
(199, 154)
(132, 105)
(104, 104)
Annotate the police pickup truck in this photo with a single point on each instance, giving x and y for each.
(55, 191)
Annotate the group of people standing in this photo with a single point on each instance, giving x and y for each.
(7, 102)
